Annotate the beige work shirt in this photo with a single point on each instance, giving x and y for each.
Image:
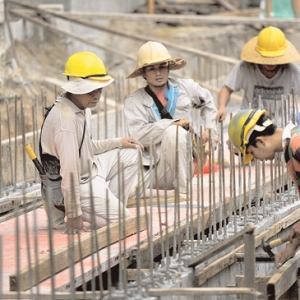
(61, 136)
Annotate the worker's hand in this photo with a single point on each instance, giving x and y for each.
(295, 232)
(73, 225)
(130, 142)
(185, 124)
(221, 115)
(191, 128)
(205, 138)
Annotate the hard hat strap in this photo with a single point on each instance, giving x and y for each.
(244, 126)
(94, 75)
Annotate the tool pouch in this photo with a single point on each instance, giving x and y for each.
(51, 181)
(53, 186)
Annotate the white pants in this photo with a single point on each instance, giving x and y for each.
(166, 167)
(107, 182)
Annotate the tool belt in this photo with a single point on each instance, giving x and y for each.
(51, 181)
(51, 185)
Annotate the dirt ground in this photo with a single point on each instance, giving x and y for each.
(39, 57)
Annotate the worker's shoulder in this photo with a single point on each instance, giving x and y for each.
(138, 95)
(61, 112)
(295, 68)
(182, 82)
(244, 65)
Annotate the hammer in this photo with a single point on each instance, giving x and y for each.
(267, 247)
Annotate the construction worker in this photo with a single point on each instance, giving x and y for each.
(153, 114)
(83, 163)
(266, 71)
(256, 136)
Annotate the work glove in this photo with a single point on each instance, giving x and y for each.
(74, 225)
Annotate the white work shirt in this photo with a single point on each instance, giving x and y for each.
(61, 137)
(144, 124)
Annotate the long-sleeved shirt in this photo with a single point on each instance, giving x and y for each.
(61, 137)
(145, 125)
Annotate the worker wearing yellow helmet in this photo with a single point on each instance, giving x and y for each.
(256, 136)
(266, 71)
(74, 162)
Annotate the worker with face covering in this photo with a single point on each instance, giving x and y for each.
(154, 113)
(68, 150)
(266, 71)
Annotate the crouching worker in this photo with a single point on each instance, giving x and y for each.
(255, 135)
(70, 154)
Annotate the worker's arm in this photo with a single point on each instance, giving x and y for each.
(295, 232)
(223, 99)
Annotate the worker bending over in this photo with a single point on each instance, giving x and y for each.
(255, 135)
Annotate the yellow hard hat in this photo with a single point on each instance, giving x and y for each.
(152, 53)
(271, 42)
(240, 128)
(86, 65)
(270, 47)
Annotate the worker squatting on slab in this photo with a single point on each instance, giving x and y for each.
(155, 112)
(256, 136)
(266, 71)
(69, 149)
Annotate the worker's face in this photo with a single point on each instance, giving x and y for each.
(263, 150)
(157, 75)
(88, 100)
(269, 70)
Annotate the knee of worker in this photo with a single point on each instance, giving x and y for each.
(129, 156)
(103, 220)
(105, 205)
(169, 137)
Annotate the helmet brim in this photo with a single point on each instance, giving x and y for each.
(250, 54)
(174, 64)
(240, 129)
(80, 86)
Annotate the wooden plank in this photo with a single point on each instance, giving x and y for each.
(259, 257)
(224, 262)
(260, 283)
(239, 13)
(226, 5)
(60, 256)
(156, 240)
(146, 201)
(269, 8)
(286, 276)
(220, 246)
(201, 291)
(12, 202)
(151, 7)
(249, 262)
(193, 20)
(46, 296)
(21, 210)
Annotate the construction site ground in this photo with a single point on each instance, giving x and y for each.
(32, 66)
